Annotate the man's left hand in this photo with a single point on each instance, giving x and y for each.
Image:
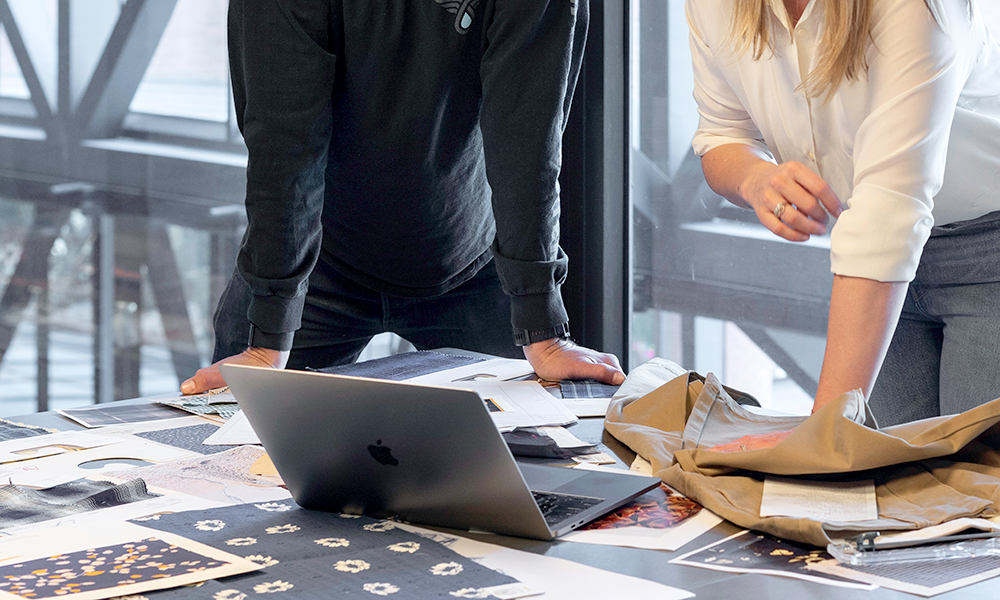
(558, 358)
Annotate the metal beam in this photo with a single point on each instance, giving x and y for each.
(168, 292)
(33, 45)
(120, 70)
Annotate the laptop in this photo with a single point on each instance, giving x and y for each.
(429, 455)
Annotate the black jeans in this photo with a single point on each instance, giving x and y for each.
(341, 316)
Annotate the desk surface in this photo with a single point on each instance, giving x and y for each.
(652, 564)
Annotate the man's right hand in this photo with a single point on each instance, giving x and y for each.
(209, 377)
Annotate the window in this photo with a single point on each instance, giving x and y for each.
(712, 289)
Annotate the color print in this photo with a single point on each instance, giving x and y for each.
(656, 509)
(102, 568)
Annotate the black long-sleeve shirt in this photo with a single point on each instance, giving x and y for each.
(405, 141)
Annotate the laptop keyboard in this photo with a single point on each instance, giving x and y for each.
(556, 508)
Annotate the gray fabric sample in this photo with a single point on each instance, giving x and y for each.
(587, 388)
(10, 430)
(188, 438)
(22, 506)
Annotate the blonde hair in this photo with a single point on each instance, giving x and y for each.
(846, 32)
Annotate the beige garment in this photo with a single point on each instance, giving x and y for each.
(926, 472)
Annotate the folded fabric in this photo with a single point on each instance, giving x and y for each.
(926, 472)
(22, 506)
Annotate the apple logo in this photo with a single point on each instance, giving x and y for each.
(382, 454)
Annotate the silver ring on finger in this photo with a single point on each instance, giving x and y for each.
(779, 209)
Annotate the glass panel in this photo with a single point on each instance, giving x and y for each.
(189, 73)
(713, 290)
(709, 291)
(12, 84)
(159, 294)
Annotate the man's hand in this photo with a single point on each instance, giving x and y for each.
(558, 358)
(210, 377)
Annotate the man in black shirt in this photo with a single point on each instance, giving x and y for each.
(396, 150)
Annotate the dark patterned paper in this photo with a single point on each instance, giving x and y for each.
(188, 438)
(656, 509)
(316, 554)
(101, 568)
(115, 414)
(751, 551)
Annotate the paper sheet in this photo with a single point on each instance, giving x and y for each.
(827, 501)
(561, 579)
(61, 468)
(51, 444)
(651, 536)
(224, 477)
(750, 552)
(521, 404)
(587, 407)
(105, 560)
(234, 432)
(495, 369)
(923, 578)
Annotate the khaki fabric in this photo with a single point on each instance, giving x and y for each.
(926, 472)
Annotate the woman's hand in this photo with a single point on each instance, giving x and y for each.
(790, 199)
(757, 441)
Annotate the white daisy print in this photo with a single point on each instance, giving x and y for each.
(265, 561)
(272, 587)
(148, 518)
(283, 528)
(333, 542)
(410, 547)
(448, 568)
(347, 516)
(273, 507)
(470, 593)
(380, 526)
(229, 595)
(247, 541)
(351, 566)
(380, 589)
(209, 525)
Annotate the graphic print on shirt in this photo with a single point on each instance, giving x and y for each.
(464, 11)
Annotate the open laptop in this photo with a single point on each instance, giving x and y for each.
(430, 455)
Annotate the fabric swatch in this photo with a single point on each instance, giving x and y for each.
(587, 388)
(188, 438)
(220, 404)
(317, 554)
(9, 430)
(22, 506)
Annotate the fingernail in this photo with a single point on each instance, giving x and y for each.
(187, 387)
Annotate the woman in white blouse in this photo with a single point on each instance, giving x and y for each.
(884, 114)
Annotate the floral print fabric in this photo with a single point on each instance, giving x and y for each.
(317, 554)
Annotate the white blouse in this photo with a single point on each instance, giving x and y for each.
(914, 143)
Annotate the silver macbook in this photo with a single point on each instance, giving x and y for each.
(430, 455)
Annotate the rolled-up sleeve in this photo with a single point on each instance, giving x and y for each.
(534, 49)
(916, 72)
(283, 73)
